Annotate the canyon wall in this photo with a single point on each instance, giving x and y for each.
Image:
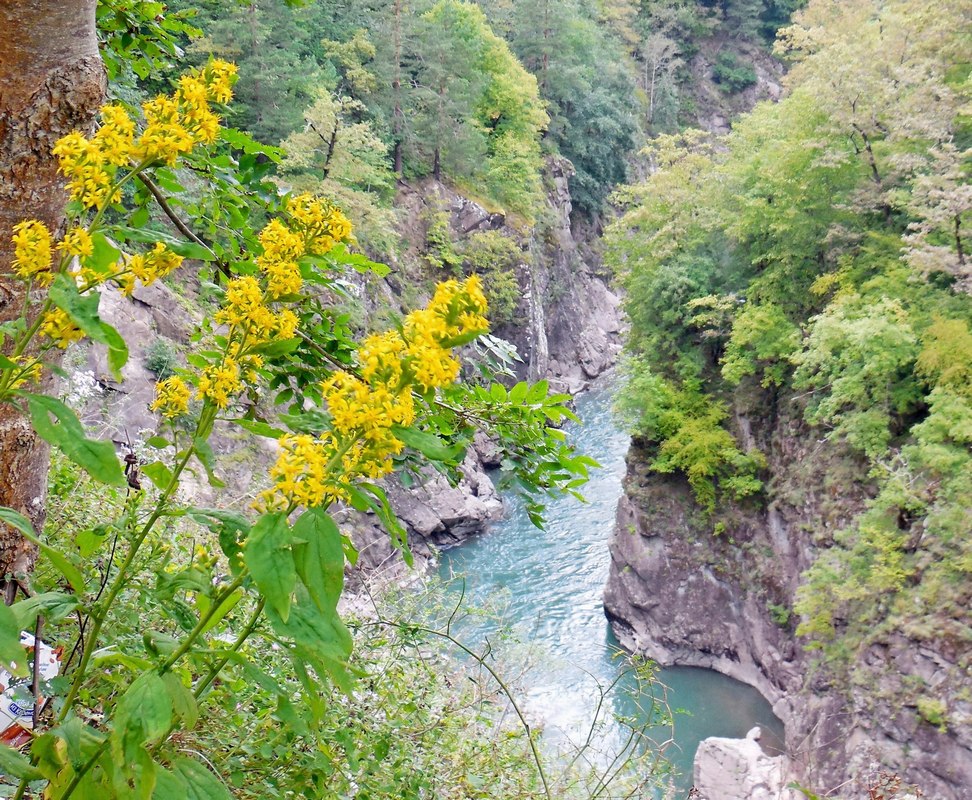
(717, 592)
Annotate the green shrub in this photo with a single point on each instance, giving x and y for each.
(732, 74)
(933, 711)
(494, 257)
(162, 358)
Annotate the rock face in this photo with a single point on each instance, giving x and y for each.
(434, 514)
(738, 769)
(685, 592)
(568, 322)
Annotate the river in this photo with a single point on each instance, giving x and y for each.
(552, 581)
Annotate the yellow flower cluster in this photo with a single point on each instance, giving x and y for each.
(87, 168)
(305, 473)
(77, 242)
(116, 135)
(57, 326)
(174, 125)
(32, 251)
(321, 222)
(27, 369)
(171, 397)
(220, 382)
(456, 311)
(365, 410)
(148, 267)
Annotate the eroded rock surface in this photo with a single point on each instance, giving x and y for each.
(738, 769)
(684, 592)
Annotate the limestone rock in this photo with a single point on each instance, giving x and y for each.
(738, 769)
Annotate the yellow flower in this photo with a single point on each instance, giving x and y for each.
(27, 370)
(115, 137)
(320, 221)
(220, 382)
(283, 278)
(220, 77)
(77, 242)
(57, 325)
(32, 251)
(280, 243)
(171, 397)
(286, 325)
(243, 302)
(165, 138)
(155, 264)
(83, 163)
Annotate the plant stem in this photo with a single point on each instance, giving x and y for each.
(121, 579)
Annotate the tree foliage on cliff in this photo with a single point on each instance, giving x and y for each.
(819, 256)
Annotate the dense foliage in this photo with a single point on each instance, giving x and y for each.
(818, 257)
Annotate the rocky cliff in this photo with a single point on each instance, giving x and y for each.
(717, 592)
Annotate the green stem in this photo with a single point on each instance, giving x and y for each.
(237, 644)
(196, 632)
(100, 615)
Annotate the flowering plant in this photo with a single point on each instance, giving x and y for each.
(358, 411)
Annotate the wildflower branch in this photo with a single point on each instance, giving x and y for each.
(176, 220)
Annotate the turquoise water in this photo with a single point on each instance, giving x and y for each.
(550, 584)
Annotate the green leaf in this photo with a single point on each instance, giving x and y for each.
(461, 339)
(319, 557)
(183, 703)
(206, 456)
(270, 559)
(224, 608)
(389, 519)
(169, 786)
(260, 428)
(13, 657)
(104, 254)
(200, 783)
(16, 765)
(538, 392)
(323, 638)
(142, 715)
(158, 473)
(429, 444)
(53, 605)
(176, 244)
(97, 458)
(57, 558)
(83, 310)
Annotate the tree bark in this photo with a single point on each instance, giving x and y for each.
(52, 81)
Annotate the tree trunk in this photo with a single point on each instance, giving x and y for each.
(52, 81)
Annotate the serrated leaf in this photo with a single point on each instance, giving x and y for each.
(270, 560)
(97, 458)
(319, 558)
(61, 562)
